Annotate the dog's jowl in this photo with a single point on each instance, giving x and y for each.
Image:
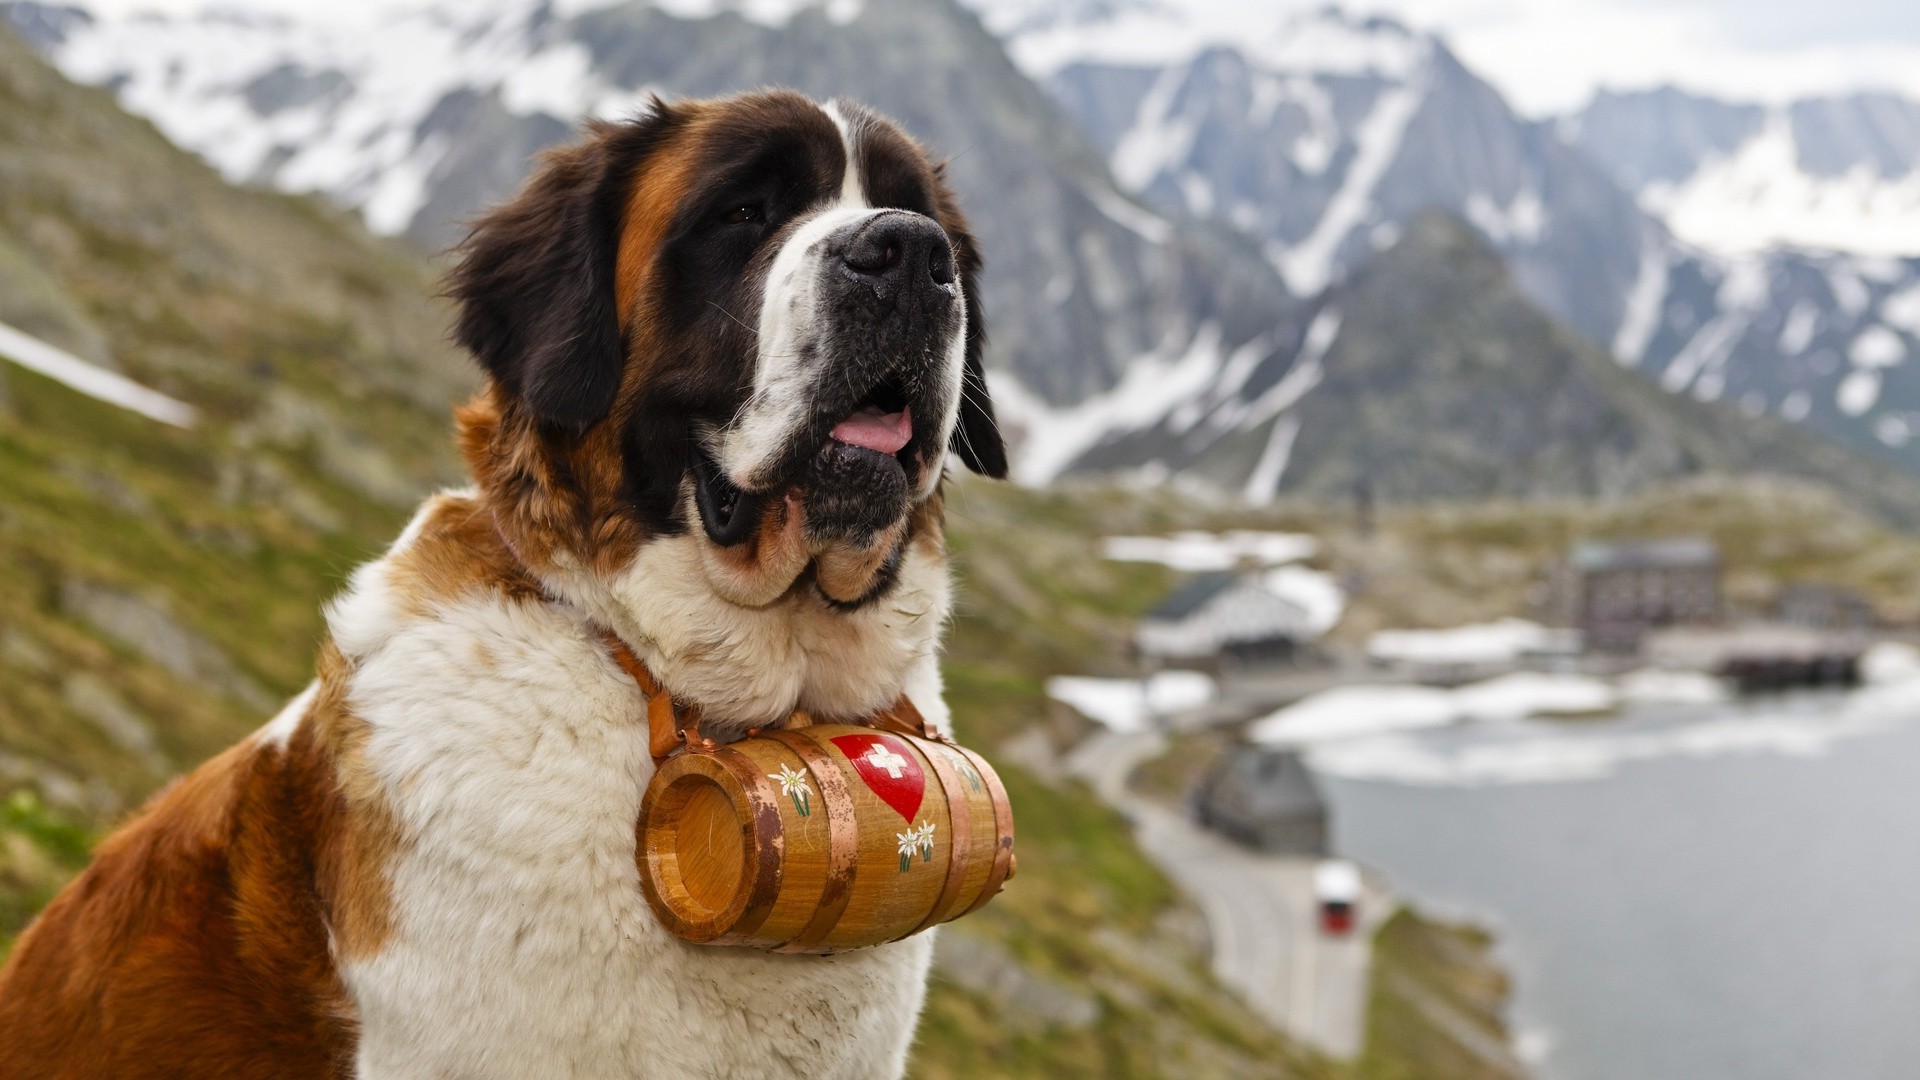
(730, 349)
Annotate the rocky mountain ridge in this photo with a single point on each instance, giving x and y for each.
(421, 124)
(1163, 193)
(1325, 154)
(1427, 375)
(1837, 173)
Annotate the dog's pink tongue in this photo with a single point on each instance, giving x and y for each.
(872, 429)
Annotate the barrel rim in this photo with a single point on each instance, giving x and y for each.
(760, 869)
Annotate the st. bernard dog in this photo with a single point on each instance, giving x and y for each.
(729, 347)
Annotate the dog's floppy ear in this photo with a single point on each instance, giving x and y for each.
(976, 438)
(535, 280)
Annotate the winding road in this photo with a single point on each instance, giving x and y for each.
(1260, 911)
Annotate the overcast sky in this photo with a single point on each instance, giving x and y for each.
(1550, 55)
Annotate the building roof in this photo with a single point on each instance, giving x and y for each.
(1219, 610)
(1193, 596)
(1264, 784)
(1672, 554)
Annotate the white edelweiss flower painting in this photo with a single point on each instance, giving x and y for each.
(793, 784)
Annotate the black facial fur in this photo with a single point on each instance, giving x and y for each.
(894, 174)
(535, 281)
(853, 493)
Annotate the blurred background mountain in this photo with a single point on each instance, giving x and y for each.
(1163, 211)
(1261, 277)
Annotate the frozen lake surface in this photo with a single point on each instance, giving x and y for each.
(1708, 892)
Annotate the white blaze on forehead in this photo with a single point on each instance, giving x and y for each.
(852, 191)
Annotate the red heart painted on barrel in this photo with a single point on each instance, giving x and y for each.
(889, 768)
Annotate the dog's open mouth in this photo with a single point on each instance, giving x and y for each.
(882, 421)
(853, 483)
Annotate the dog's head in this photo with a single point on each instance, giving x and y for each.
(753, 320)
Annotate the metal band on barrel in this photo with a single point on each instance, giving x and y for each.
(1002, 830)
(843, 839)
(959, 835)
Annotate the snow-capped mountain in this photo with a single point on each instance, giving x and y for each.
(1839, 174)
(1166, 191)
(423, 117)
(1322, 136)
(1797, 290)
(1427, 375)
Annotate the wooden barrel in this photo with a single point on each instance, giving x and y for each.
(822, 839)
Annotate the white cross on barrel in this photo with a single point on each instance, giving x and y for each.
(882, 757)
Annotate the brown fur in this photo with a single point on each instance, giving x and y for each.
(195, 945)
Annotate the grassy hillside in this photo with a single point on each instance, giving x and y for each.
(1446, 564)
(160, 591)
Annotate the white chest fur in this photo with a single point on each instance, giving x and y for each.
(754, 665)
(514, 756)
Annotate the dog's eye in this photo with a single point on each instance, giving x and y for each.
(744, 214)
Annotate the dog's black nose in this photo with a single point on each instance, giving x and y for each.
(901, 251)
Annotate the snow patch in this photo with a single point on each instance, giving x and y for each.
(1653, 685)
(1796, 405)
(1148, 225)
(1308, 265)
(1877, 347)
(1706, 351)
(1314, 591)
(1044, 37)
(1127, 705)
(1202, 552)
(1520, 222)
(1502, 641)
(1759, 197)
(1263, 483)
(1902, 309)
(1858, 391)
(1641, 317)
(1152, 387)
(1533, 754)
(1890, 662)
(1351, 712)
(95, 382)
(1802, 323)
(1158, 140)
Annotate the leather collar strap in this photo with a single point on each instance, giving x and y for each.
(671, 727)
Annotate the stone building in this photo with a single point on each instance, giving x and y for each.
(1615, 593)
(1824, 607)
(1265, 798)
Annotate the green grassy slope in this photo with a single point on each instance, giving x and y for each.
(161, 587)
